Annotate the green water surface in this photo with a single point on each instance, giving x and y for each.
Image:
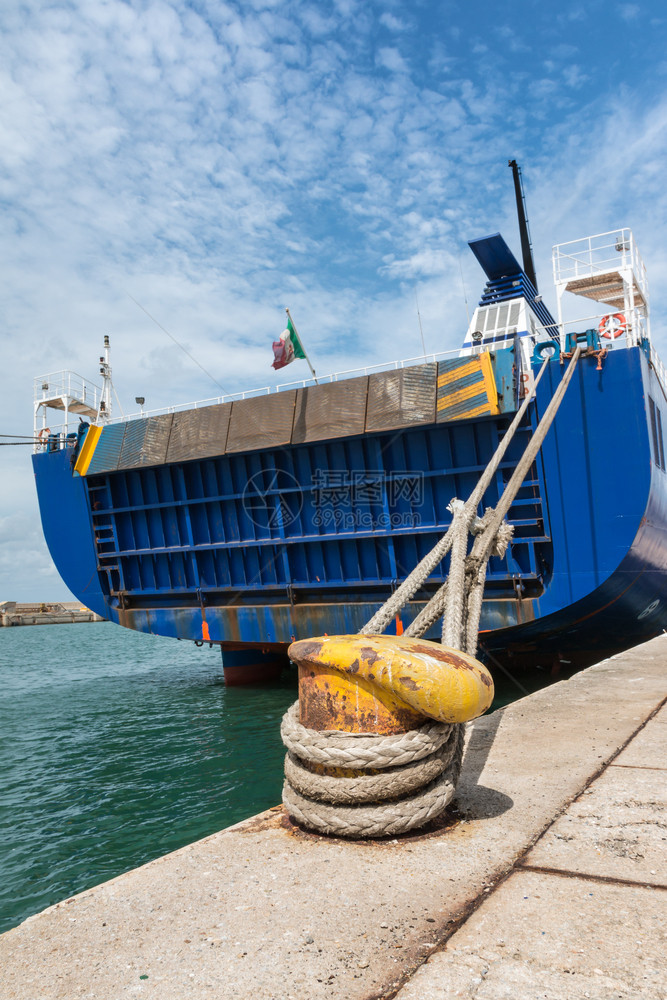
(118, 747)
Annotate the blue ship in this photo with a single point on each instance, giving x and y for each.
(294, 512)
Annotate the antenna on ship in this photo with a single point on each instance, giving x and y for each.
(421, 332)
(526, 246)
(104, 412)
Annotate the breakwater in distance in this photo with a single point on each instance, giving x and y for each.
(42, 613)
(119, 747)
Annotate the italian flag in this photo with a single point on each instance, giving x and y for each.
(288, 348)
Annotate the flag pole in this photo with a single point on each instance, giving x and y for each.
(289, 316)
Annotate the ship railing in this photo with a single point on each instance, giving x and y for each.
(67, 394)
(65, 384)
(604, 252)
(54, 437)
(286, 386)
(635, 332)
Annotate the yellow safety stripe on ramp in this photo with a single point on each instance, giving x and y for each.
(87, 450)
(466, 388)
(459, 372)
(489, 382)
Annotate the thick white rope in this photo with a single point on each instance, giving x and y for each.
(406, 591)
(492, 539)
(369, 786)
(420, 769)
(455, 599)
(384, 819)
(334, 748)
(496, 532)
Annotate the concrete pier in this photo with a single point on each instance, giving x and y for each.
(63, 613)
(546, 879)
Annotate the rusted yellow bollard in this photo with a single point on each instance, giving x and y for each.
(386, 683)
(406, 695)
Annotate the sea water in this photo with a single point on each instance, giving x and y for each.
(118, 747)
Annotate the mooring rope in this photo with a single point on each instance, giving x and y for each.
(416, 805)
(406, 591)
(339, 749)
(419, 769)
(492, 536)
(390, 784)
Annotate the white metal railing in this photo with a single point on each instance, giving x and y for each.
(68, 385)
(71, 385)
(599, 254)
(55, 438)
(303, 384)
(631, 335)
(65, 392)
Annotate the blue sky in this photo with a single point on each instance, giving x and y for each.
(218, 161)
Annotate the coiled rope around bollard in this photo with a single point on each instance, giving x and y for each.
(409, 778)
(395, 783)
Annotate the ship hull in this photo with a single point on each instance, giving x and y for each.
(172, 549)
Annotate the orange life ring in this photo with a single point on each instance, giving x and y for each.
(43, 434)
(613, 325)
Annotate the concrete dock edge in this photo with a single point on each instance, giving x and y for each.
(539, 882)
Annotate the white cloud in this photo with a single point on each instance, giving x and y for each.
(391, 22)
(574, 77)
(392, 60)
(629, 11)
(220, 163)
